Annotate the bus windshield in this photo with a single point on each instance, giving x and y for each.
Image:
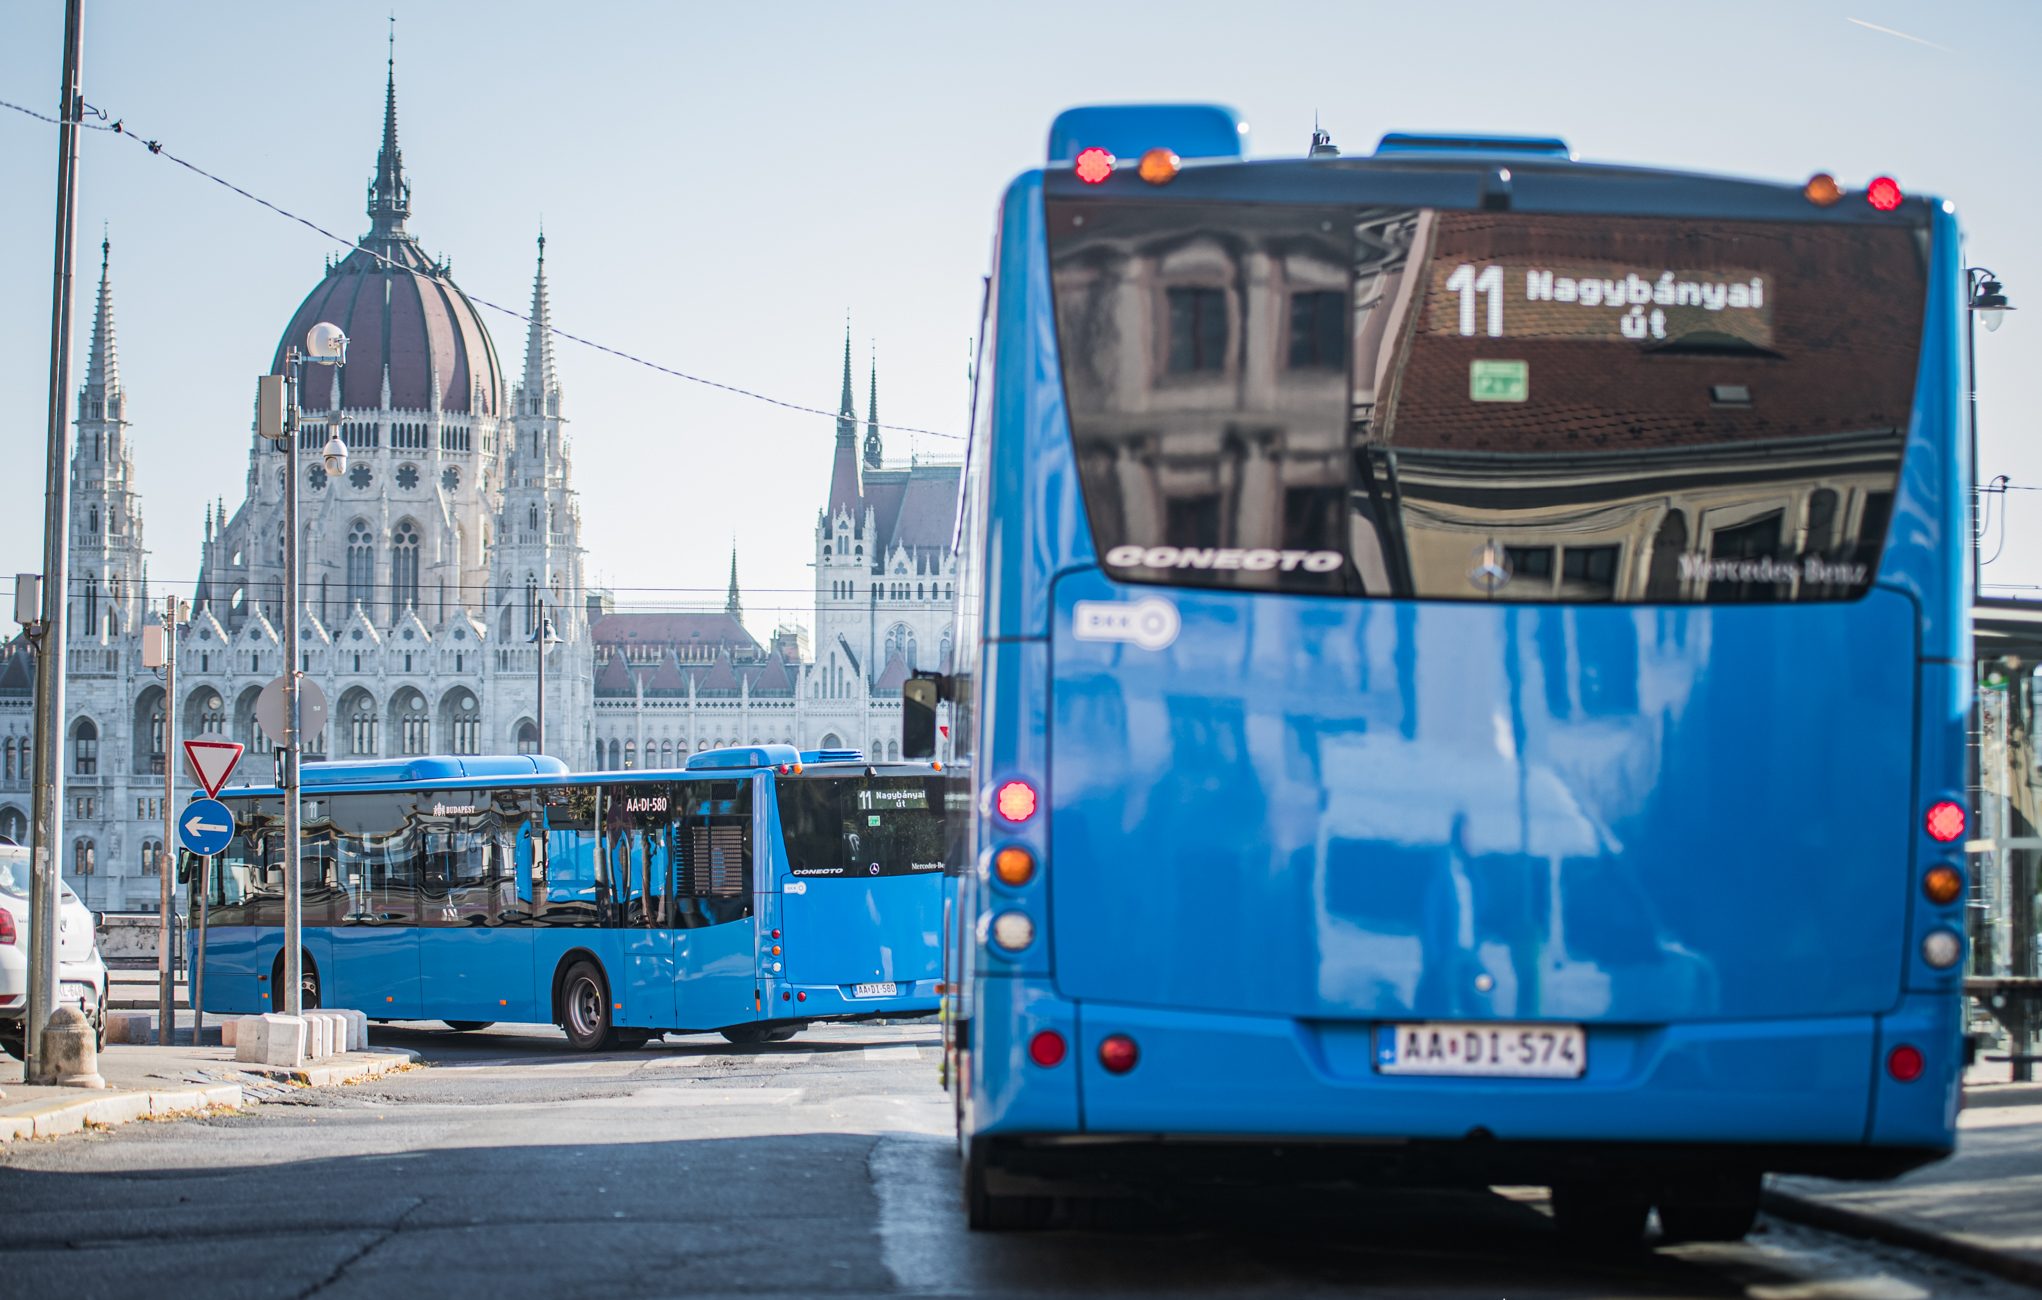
(1415, 402)
(864, 826)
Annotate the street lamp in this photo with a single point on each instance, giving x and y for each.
(1986, 300)
(544, 638)
(278, 418)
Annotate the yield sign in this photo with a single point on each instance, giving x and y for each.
(212, 760)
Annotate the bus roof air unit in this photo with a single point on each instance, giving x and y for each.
(1451, 144)
(1131, 130)
(746, 756)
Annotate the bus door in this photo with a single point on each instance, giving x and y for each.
(637, 844)
(715, 947)
(475, 953)
(375, 942)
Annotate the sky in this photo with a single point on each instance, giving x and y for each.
(721, 185)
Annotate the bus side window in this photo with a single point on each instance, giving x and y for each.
(378, 858)
(574, 892)
(716, 853)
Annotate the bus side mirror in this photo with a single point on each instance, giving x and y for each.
(918, 697)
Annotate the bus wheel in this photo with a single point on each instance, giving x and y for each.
(1722, 1210)
(14, 1040)
(751, 1035)
(308, 983)
(585, 1008)
(986, 1212)
(465, 1026)
(1610, 1218)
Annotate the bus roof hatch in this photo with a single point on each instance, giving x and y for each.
(1131, 130)
(1414, 142)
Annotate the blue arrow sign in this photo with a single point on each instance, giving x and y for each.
(204, 826)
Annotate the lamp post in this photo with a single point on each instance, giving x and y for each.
(1986, 301)
(325, 345)
(544, 639)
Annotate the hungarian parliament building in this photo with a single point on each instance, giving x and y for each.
(427, 568)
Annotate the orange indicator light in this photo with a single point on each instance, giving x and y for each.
(1822, 190)
(1158, 166)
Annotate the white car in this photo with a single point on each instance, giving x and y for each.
(81, 975)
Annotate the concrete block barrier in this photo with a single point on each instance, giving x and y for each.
(228, 1029)
(357, 1030)
(271, 1040)
(130, 1027)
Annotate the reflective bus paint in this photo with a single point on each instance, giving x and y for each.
(1274, 819)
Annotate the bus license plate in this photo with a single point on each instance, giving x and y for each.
(1484, 1050)
(875, 991)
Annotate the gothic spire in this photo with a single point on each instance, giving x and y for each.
(872, 448)
(389, 193)
(540, 383)
(733, 606)
(103, 363)
(847, 413)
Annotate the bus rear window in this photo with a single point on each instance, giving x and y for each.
(1481, 405)
(864, 826)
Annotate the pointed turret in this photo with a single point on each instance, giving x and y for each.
(847, 483)
(103, 363)
(539, 385)
(389, 193)
(733, 606)
(872, 447)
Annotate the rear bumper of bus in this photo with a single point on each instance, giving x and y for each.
(1801, 1095)
(842, 1001)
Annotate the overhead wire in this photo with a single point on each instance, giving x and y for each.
(119, 127)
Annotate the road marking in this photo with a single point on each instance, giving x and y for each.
(921, 1239)
(885, 1055)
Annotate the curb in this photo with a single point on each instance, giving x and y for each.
(107, 1109)
(1895, 1232)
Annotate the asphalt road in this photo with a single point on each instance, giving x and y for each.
(821, 1167)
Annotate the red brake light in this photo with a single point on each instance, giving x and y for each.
(1094, 165)
(1015, 801)
(1884, 194)
(1945, 822)
(1905, 1063)
(1118, 1054)
(6, 926)
(1046, 1048)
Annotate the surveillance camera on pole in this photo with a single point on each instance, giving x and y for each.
(335, 456)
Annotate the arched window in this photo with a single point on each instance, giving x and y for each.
(13, 825)
(361, 566)
(360, 711)
(404, 567)
(152, 857)
(84, 857)
(630, 754)
(666, 753)
(212, 715)
(85, 749)
(7, 748)
(532, 520)
(528, 737)
(616, 756)
(900, 640)
(414, 728)
(92, 604)
(531, 603)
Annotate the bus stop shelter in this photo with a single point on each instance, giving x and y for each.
(2004, 860)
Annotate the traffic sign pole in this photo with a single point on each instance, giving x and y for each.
(294, 905)
(166, 982)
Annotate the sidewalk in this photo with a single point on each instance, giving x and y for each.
(1982, 1207)
(145, 1081)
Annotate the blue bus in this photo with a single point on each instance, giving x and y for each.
(1463, 666)
(750, 894)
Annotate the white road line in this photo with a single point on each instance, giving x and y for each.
(920, 1230)
(904, 1052)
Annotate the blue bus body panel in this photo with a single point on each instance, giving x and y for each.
(851, 931)
(1604, 811)
(376, 971)
(1129, 130)
(715, 976)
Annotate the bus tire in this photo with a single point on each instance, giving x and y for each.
(308, 984)
(752, 1035)
(585, 1007)
(1723, 1210)
(1599, 1216)
(987, 1211)
(466, 1026)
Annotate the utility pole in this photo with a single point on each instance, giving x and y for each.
(48, 832)
(175, 612)
(294, 884)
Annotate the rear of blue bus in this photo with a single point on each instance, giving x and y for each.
(1469, 676)
(855, 905)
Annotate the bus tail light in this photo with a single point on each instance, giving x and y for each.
(1118, 1054)
(801, 997)
(1046, 1048)
(1015, 801)
(1905, 1063)
(1158, 166)
(1944, 884)
(1884, 194)
(1013, 931)
(1094, 165)
(1945, 821)
(1822, 190)
(1014, 865)
(1942, 949)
